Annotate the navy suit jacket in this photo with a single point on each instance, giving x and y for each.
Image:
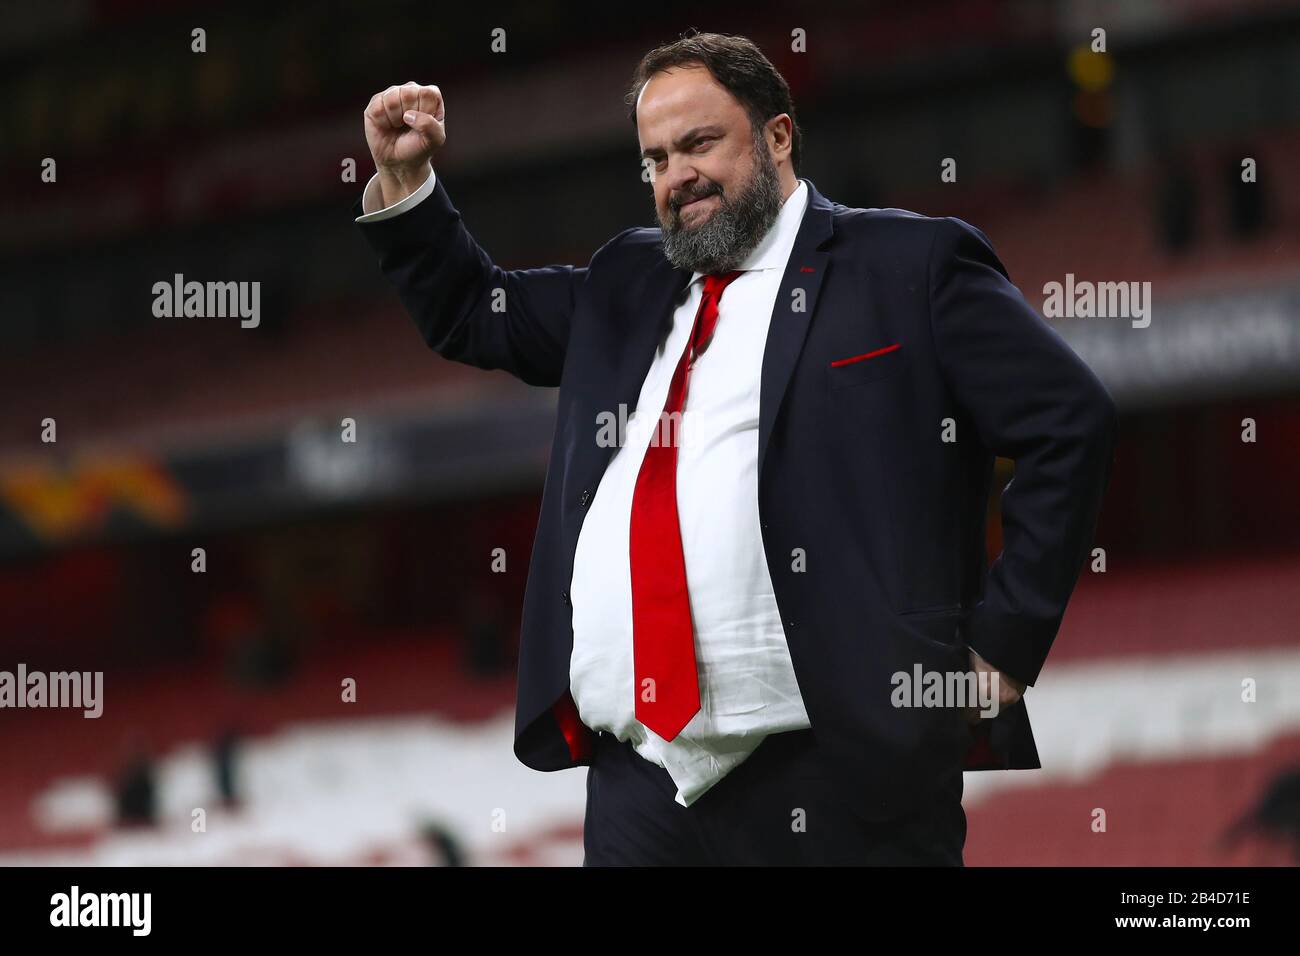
(854, 468)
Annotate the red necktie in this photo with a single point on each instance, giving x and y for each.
(663, 642)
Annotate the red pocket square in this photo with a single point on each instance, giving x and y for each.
(867, 355)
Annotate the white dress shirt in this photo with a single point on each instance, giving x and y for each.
(372, 197)
(747, 683)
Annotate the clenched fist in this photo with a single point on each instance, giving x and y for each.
(405, 127)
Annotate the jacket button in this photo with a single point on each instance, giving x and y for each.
(565, 595)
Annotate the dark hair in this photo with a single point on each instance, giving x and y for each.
(738, 65)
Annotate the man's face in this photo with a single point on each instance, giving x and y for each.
(716, 187)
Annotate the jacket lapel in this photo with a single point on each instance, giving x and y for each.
(664, 290)
(795, 303)
(660, 292)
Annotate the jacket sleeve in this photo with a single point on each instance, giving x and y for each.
(1033, 400)
(466, 307)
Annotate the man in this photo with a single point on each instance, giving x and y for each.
(716, 623)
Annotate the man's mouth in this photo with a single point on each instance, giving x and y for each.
(695, 203)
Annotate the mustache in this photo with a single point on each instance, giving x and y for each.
(677, 204)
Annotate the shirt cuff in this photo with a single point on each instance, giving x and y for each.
(396, 209)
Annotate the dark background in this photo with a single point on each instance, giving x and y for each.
(374, 560)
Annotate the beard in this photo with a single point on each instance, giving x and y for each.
(726, 237)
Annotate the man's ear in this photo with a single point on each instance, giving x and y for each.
(782, 129)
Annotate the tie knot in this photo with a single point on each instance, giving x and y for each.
(715, 284)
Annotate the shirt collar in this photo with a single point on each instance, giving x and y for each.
(773, 252)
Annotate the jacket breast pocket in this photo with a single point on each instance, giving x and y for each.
(869, 366)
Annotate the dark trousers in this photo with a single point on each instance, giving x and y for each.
(778, 808)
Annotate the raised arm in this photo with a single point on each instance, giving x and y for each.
(467, 308)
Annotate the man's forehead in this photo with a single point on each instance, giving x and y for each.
(691, 79)
(699, 105)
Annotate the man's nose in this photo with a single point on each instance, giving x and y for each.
(681, 182)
